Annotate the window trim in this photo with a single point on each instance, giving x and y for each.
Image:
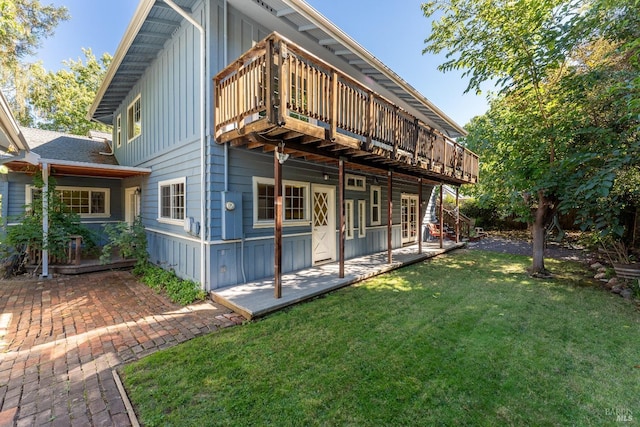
(372, 205)
(28, 198)
(256, 180)
(169, 182)
(130, 121)
(356, 178)
(348, 220)
(119, 130)
(362, 218)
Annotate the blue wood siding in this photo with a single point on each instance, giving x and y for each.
(179, 254)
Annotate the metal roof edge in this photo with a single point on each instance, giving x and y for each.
(139, 16)
(322, 22)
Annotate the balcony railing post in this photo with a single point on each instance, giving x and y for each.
(333, 99)
(396, 132)
(284, 84)
(269, 79)
(416, 132)
(370, 120)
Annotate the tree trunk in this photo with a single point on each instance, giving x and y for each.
(542, 215)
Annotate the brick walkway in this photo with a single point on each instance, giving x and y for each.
(61, 338)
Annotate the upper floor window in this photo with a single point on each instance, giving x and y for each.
(171, 206)
(85, 201)
(134, 119)
(119, 130)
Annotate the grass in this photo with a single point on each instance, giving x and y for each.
(464, 339)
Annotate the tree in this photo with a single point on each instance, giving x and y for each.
(23, 26)
(61, 99)
(519, 45)
(535, 126)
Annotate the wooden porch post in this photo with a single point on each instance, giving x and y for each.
(457, 215)
(441, 217)
(389, 217)
(277, 244)
(419, 215)
(342, 213)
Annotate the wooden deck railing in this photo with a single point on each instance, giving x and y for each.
(280, 83)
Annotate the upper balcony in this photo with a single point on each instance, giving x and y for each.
(278, 93)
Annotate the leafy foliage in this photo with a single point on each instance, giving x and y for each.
(23, 26)
(27, 234)
(178, 290)
(131, 241)
(61, 99)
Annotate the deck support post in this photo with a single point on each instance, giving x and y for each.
(277, 244)
(419, 215)
(457, 214)
(389, 216)
(441, 216)
(342, 213)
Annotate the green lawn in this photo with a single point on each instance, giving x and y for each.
(463, 339)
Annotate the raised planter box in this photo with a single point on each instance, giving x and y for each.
(627, 271)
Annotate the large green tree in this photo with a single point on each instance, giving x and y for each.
(23, 26)
(529, 49)
(61, 99)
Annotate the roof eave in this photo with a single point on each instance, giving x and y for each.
(322, 22)
(144, 7)
(10, 128)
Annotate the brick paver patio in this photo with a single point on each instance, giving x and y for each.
(61, 338)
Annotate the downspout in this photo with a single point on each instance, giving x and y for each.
(203, 145)
(45, 220)
(225, 60)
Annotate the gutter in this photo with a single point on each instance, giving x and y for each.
(319, 20)
(203, 142)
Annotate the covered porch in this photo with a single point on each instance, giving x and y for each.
(255, 299)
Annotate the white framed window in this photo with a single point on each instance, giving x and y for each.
(171, 201)
(295, 202)
(348, 220)
(119, 130)
(355, 182)
(134, 120)
(375, 214)
(88, 202)
(362, 218)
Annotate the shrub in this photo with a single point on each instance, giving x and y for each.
(178, 290)
(131, 241)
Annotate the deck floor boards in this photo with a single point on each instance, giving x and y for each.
(256, 299)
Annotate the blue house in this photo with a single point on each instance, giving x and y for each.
(274, 141)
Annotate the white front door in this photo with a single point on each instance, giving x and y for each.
(323, 235)
(409, 217)
(131, 204)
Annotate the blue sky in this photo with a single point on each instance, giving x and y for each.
(394, 32)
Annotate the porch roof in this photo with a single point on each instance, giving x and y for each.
(71, 168)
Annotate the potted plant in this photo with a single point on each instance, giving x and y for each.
(623, 263)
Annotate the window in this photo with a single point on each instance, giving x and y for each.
(362, 221)
(348, 220)
(355, 182)
(295, 202)
(85, 201)
(375, 205)
(171, 207)
(119, 130)
(134, 120)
